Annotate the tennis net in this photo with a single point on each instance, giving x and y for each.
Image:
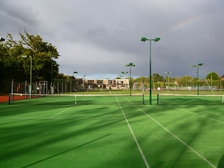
(21, 96)
(71, 99)
(182, 99)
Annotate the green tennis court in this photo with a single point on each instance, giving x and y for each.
(110, 131)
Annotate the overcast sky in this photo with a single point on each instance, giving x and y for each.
(97, 38)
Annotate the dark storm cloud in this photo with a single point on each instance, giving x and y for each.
(97, 38)
(15, 16)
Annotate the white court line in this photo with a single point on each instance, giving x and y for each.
(60, 112)
(136, 141)
(20, 117)
(202, 116)
(174, 136)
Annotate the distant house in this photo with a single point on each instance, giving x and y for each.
(222, 77)
(103, 83)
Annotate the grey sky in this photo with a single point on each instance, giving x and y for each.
(98, 38)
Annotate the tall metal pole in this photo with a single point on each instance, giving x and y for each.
(73, 79)
(198, 79)
(168, 79)
(51, 78)
(197, 66)
(130, 81)
(30, 75)
(30, 85)
(150, 73)
(150, 65)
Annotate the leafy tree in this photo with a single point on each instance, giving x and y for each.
(212, 76)
(16, 67)
(156, 77)
(13, 66)
(141, 79)
(186, 80)
(62, 76)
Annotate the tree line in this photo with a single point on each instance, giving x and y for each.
(14, 65)
(212, 79)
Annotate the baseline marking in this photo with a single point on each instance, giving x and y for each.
(136, 141)
(174, 135)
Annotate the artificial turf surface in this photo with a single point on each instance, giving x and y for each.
(110, 131)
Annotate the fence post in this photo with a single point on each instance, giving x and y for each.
(143, 99)
(157, 98)
(12, 84)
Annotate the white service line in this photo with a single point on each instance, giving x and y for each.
(174, 136)
(136, 141)
(60, 112)
(203, 116)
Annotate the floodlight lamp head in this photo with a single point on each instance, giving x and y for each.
(200, 64)
(144, 39)
(156, 39)
(2, 39)
(75, 72)
(54, 63)
(168, 72)
(131, 64)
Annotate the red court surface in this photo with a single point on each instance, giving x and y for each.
(4, 98)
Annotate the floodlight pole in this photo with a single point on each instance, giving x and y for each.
(144, 39)
(197, 66)
(130, 65)
(31, 68)
(83, 81)
(168, 78)
(52, 73)
(123, 76)
(30, 86)
(74, 77)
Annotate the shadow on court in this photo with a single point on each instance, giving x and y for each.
(42, 160)
(221, 162)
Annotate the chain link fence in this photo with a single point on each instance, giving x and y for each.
(82, 85)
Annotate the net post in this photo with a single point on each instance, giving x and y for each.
(12, 84)
(143, 99)
(9, 101)
(157, 98)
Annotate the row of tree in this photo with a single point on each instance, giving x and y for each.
(44, 56)
(14, 66)
(184, 79)
(212, 79)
